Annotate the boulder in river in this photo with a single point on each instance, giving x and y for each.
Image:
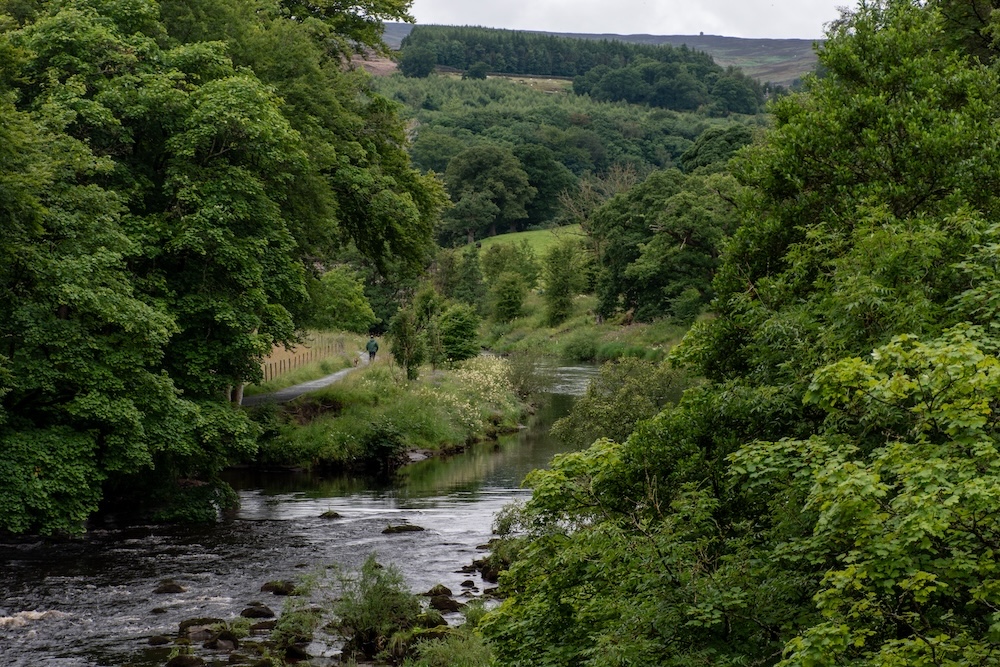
(205, 621)
(224, 641)
(278, 587)
(185, 661)
(159, 640)
(263, 626)
(257, 610)
(445, 603)
(402, 528)
(330, 514)
(168, 586)
(438, 589)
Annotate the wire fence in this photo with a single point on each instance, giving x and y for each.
(318, 346)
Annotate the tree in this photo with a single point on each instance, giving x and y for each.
(339, 302)
(563, 280)
(518, 258)
(407, 346)
(458, 326)
(507, 294)
(202, 157)
(828, 496)
(477, 70)
(492, 177)
(417, 62)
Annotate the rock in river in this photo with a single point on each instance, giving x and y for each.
(402, 528)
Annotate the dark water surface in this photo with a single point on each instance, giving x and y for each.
(90, 601)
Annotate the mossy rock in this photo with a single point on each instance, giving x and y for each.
(438, 589)
(330, 514)
(206, 620)
(430, 619)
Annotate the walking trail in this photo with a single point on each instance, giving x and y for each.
(288, 393)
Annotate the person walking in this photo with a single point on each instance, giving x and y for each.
(372, 348)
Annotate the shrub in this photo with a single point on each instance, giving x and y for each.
(459, 326)
(375, 605)
(507, 296)
(458, 650)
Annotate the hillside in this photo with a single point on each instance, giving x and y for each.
(779, 61)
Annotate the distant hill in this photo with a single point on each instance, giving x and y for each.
(780, 61)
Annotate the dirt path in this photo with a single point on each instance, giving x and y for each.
(288, 393)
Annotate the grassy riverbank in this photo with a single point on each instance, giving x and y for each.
(374, 416)
(580, 338)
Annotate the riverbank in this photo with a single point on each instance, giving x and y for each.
(581, 338)
(373, 419)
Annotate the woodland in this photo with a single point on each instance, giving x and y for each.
(607, 70)
(810, 478)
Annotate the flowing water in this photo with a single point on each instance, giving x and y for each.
(91, 602)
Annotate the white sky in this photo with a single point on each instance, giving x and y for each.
(731, 18)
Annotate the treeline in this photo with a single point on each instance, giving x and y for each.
(519, 52)
(175, 178)
(607, 70)
(514, 158)
(830, 494)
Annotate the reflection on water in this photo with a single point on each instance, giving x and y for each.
(99, 589)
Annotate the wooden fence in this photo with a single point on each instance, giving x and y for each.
(316, 348)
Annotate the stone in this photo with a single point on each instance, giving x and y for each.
(168, 586)
(438, 589)
(402, 528)
(431, 619)
(263, 626)
(278, 587)
(257, 611)
(330, 514)
(224, 641)
(468, 583)
(205, 621)
(185, 661)
(158, 640)
(445, 603)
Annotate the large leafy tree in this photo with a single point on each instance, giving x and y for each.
(176, 172)
(815, 503)
(490, 189)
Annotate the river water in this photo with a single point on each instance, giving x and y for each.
(91, 601)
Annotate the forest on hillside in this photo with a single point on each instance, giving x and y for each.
(551, 153)
(662, 76)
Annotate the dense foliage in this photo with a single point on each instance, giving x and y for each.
(172, 173)
(610, 70)
(515, 158)
(830, 495)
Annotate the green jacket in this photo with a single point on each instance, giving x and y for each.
(372, 346)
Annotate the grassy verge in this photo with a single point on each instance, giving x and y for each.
(579, 338)
(372, 417)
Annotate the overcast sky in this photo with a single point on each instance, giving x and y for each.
(730, 18)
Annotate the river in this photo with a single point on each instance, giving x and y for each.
(90, 601)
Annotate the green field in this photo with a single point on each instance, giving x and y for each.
(539, 240)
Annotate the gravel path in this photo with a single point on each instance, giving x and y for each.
(288, 393)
